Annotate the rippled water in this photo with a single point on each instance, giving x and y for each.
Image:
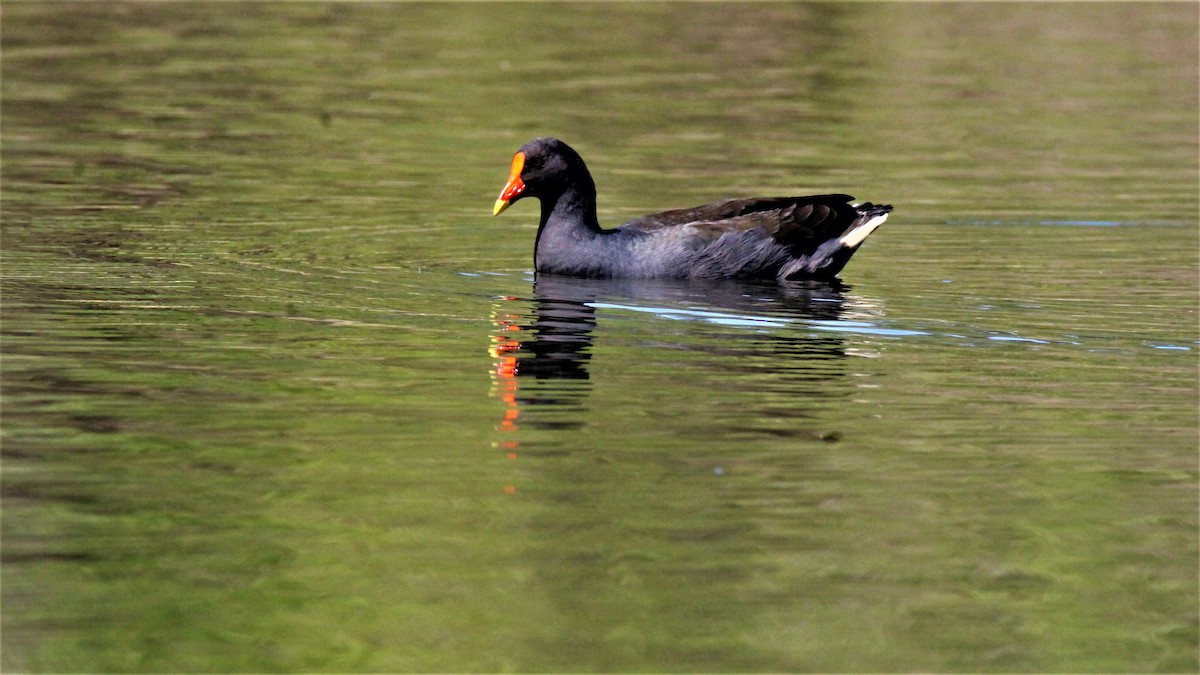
(279, 394)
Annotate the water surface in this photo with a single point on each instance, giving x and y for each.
(279, 394)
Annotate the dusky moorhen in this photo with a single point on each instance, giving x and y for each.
(781, 237)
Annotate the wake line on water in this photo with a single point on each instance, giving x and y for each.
(1068, 223)
(757, 322)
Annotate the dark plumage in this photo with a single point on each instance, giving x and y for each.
(781, 237)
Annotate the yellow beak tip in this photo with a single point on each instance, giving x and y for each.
(501, 204)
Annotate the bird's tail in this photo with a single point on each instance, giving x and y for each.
(831, 256)
(870, 216)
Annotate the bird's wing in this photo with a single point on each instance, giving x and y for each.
(799, 223)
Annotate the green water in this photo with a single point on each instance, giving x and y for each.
(279, 394)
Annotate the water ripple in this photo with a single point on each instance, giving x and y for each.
(965, 336)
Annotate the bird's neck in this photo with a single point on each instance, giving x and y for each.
(570, 216)
(573, 208)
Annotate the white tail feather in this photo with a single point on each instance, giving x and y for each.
(856, 236)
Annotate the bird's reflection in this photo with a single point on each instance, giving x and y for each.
(559, 338)
(548, 348)
(542, 345)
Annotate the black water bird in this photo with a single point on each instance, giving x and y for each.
(766, 237)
